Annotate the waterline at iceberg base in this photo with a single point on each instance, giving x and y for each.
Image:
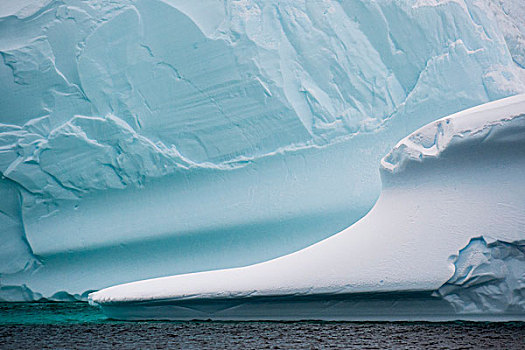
(445, 241)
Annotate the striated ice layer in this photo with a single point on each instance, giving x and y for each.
(141, 139)
(444, 241)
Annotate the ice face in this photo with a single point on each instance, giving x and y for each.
(149, 138)
(449, 221)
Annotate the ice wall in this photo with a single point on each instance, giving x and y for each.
(146, 138)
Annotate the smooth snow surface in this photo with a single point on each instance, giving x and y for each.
(448, 183)
(147, 138)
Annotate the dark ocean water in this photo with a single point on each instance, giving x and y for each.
(79, 326)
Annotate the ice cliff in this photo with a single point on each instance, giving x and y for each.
(444, 241)
(141, 139)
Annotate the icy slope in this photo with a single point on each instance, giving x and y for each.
(452, 186)
(213, 134)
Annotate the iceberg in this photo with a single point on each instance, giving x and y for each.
(141, 139)
(444, 241)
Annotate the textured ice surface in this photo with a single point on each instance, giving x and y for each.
(488, 278)
(141, 139)
(453, 180)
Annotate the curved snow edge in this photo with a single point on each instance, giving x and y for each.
(471, 125)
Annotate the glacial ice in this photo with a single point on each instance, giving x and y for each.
(488, 278)
(447, 231)
(141, 139)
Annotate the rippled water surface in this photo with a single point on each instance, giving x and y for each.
(78, 326)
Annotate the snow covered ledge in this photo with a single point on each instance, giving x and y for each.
(444, 241)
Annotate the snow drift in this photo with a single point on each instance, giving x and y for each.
(141, 139)
(449, 222)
